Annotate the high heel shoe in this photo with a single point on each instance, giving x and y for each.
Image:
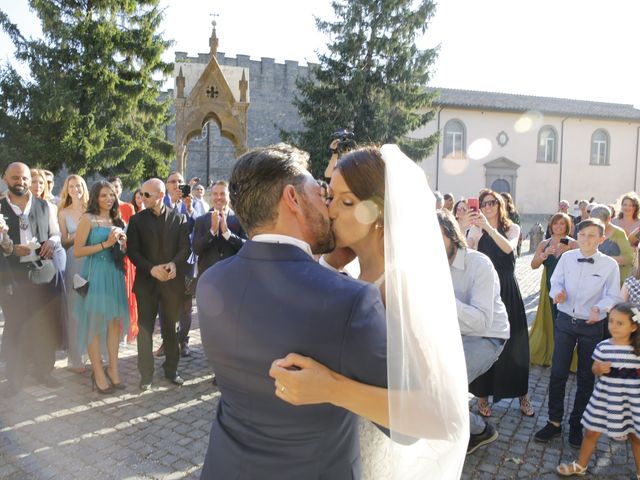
(101, 391)
(117, 386)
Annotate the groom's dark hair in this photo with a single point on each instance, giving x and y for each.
(258, 179)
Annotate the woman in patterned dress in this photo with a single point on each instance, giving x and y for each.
(614, 406)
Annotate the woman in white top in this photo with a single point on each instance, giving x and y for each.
(73, 203)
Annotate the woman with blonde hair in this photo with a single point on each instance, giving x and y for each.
(74, 197)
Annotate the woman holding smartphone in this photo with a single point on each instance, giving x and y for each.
(547, 254)
(495, 235)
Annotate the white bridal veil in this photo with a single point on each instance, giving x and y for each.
(426, 365)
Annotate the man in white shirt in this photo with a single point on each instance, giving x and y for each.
(482, 316)
(585, 285)
(31, 328)
(200, 205)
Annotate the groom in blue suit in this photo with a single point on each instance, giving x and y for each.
(270, 299)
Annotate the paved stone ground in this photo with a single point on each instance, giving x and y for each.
(72, 433)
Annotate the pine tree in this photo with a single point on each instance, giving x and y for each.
(92, 99)
(372, 80)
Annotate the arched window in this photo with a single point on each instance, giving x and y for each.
(455, 141)
(547, 141)
(600, 146)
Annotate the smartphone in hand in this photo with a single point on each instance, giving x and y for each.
(474, 204)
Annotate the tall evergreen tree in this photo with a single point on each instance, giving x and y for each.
(92, 99)
(372, 79)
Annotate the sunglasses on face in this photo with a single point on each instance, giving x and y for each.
(489, 203)
(146, 194)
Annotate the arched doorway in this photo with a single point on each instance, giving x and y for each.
(501, 175)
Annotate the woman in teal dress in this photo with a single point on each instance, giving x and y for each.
(548, 253)
(105, 307)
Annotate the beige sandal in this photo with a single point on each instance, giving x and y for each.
(484, 408)
(571, 469)
(525, 407)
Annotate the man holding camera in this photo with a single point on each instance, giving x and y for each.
(31, 310)
(342, 141)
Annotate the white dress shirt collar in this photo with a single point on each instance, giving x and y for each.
(277, 238)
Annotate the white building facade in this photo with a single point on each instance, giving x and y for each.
(539, 149)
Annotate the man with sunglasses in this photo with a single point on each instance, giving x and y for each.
(158, 245)
(177, 199)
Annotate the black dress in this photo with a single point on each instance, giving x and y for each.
(509, 376)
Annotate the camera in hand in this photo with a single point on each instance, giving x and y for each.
(186, 190)
(346, 141)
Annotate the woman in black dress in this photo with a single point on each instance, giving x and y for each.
(493, 234)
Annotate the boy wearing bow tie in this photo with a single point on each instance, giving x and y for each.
(584, 285)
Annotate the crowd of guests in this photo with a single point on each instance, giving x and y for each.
(85, 271)
(586, 321)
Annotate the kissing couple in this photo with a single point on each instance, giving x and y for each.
(385, 348)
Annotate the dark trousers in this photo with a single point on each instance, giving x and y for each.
(148, 306)
(31, 330)
(185, 313)
(567, 333)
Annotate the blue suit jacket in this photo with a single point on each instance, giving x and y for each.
(259, 305)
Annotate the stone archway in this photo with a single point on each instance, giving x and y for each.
(217, 96)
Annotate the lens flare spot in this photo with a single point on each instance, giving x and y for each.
(455, 164)
(366, 212)
(528, 121)
(479, 149)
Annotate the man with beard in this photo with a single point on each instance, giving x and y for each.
(272, 298)
(482, 316)
(30, 332)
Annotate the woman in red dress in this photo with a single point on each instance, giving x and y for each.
(126, 212)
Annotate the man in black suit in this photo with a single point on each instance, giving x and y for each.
(158, 245)
(218, 234)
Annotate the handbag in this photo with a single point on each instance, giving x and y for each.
(81, 284)
(41, 271)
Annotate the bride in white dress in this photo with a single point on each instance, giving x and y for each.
(383, 210)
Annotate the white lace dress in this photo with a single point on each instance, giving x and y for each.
(375, 446)
(375, 452)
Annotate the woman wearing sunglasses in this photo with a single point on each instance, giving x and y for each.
(493, 234)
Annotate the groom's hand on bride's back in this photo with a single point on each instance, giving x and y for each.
(300, 380)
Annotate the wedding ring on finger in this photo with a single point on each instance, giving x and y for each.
(282, 388)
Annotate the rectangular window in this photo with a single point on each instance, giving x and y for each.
(599, 152)
(549, 150)
(453, 143)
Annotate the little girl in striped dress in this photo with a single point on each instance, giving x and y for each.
(614, 406)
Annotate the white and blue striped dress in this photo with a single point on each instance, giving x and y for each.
(614, 406)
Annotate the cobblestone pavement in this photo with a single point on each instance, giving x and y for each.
(71, 433)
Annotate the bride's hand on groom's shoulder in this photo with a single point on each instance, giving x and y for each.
(300, 380)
